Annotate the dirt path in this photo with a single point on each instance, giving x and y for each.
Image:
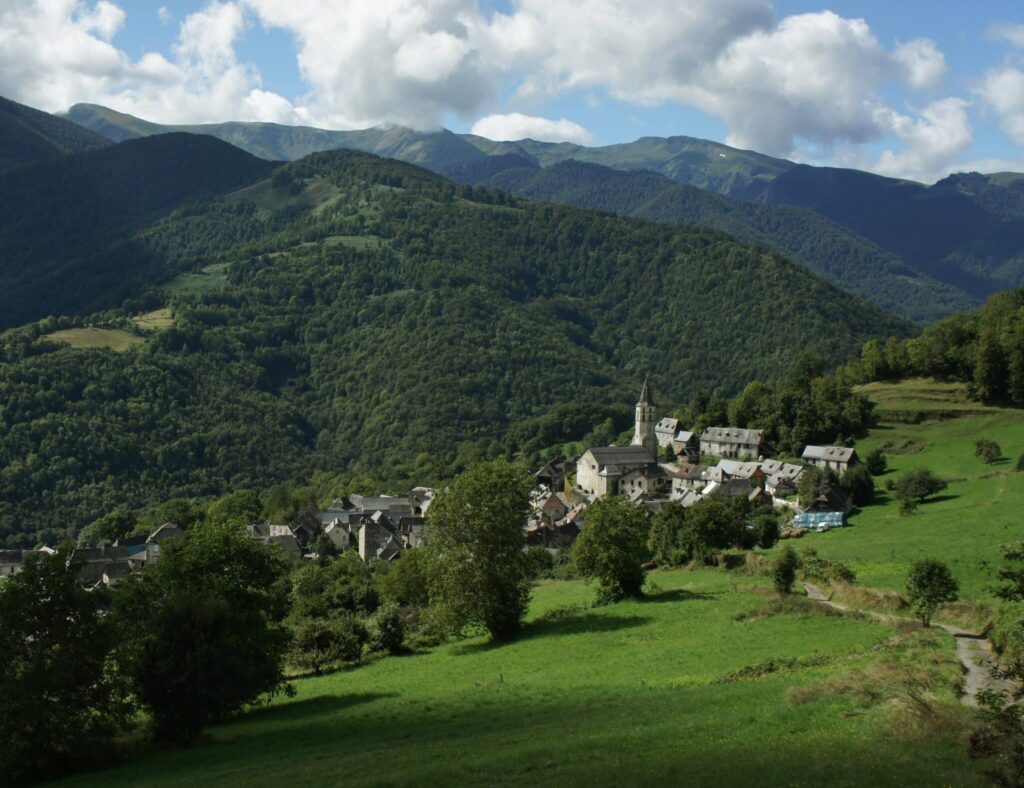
(981, 669)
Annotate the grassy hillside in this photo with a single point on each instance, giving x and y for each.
(825, 247)
(967, 523)
(674, 690)
(68, 227)
(379, 321)
(29, 136)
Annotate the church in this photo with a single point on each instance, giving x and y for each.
(631, 470)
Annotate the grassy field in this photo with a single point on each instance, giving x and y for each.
(156, 320)
(675, 689)
(212, 277)
(112, 338)
(963, 526)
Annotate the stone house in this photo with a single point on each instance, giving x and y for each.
(833, 458)
(686, 445)
(733, 443)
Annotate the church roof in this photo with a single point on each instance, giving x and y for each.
(645, 395)
(622, 455)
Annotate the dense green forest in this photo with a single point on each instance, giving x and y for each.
(69, 227)
(29, 136)
(984, 349)
(825, 247)
(380, 323)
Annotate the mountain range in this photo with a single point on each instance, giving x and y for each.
(921, 251)
(352, 313)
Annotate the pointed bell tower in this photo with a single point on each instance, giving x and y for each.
(643, 432)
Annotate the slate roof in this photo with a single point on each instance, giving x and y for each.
(739, 470)
(667, 425)
(828, 453)
(690, 471)
(732, 435)
(683, 436)
(622, 455)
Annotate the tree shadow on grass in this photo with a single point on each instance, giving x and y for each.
(314, 707)
(677, 595)
(554, 627)
(938, 499)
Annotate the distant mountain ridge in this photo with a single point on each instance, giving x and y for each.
(824, 246)
(950, 245)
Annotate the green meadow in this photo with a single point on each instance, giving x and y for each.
(690, 686)
(965, 525)
(90, 337)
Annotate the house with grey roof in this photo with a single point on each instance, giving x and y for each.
(686, 445)
(665, 431)
(832, 458)
(734, 443)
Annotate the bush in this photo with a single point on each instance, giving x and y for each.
(405, 581)
(929, 584)
(766, 531)
(317, 642)
(919, 485)
(386, 630)
(840, 572)
(785, 570)
(987, 449)
(858, 482)
(539, 562)
(1020, 463)
(908, 506)
(876, 462)
(612, 546)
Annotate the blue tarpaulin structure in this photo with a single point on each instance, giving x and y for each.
(813, 520)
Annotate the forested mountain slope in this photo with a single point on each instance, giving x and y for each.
(965, 232)
(67, 226)
(28, 136)
(825, 247)
(379, 321)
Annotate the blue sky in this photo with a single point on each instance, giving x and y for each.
(907, 88)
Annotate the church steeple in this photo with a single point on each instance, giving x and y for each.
(643, 433)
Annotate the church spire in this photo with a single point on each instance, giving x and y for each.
(645, 395)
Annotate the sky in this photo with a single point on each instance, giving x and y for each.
(907, 88)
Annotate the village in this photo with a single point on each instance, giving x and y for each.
(662, 463)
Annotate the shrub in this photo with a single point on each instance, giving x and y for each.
(539, 562)
(317, 642)
(785, 571)
(987, 449)
(919, 485)
(386, 630)
(766, 529)
(405, 581)
(907, 507)
(858, 482)
(1020, 463)
(876, 462)
(929, 584)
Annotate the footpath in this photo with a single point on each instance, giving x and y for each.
(981, 668)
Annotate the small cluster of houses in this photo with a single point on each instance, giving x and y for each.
(380, 527)
(103, 566)
(662, 463)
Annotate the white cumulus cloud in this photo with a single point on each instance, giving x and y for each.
(1003, 91)
(931, 141)
(516, 126)
(923, 61)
